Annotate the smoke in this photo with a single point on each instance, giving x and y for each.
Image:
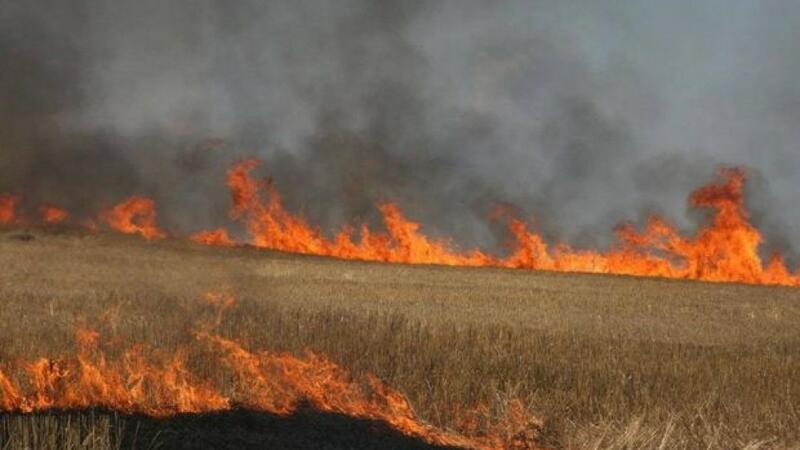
(578, 115)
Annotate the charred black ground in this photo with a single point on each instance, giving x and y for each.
(238, 429)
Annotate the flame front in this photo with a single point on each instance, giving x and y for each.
(725, 250)
(271, 226)
(147, 381)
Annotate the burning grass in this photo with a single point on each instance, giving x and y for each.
(727, 249)
(607, 362)
(159, 383)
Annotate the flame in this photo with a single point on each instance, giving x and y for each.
(217, 237)
(272, 226)
(726, 250)
(52, 215)
(135, 215)
(143, 380)
(8, 208)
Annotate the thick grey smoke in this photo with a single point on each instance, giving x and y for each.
(579, 114)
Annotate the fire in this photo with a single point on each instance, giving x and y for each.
(8, 208)
(143, 380)
(52, 215)
(217, 237)
(135, 215)
(271, 226)
(725, 250)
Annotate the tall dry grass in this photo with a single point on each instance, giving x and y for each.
(85, 431)
(607, 363)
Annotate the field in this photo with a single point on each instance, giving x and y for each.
(602, 361)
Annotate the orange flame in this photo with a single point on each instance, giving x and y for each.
(271, 226)
(144, 380)
(724, 250)
(217, 237)
(52, 215)
(135, 215)
(8, 208)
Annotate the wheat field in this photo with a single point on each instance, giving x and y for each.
(605, 362)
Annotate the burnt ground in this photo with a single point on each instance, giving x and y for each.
(242, 429)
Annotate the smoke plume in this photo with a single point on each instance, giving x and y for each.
(577, 115)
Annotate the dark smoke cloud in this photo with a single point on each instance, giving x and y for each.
(577, 114)
(41, 85)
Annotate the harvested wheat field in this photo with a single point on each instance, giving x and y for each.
(111, 341)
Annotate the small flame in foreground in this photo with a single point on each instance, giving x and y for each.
(144, 380)
(136, 215)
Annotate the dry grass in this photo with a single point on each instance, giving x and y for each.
(75, 432)
(608, 362)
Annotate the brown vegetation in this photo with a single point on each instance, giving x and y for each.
(607, 362)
